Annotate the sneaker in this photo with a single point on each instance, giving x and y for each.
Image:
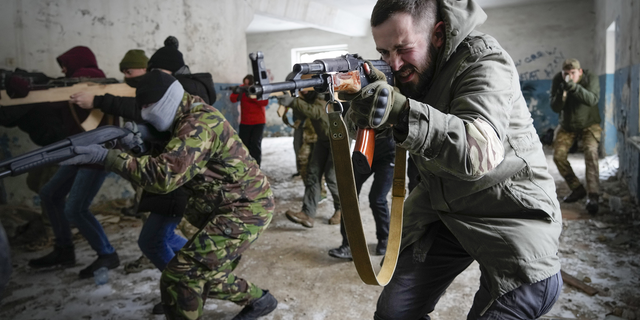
(592, 203)
(576, 194)
(344, 252)
(60, 257)
(381, 248)
(300, 218)
(258, 308)
(138, 265)
(335, 219)
(158, 308)
(110, 261)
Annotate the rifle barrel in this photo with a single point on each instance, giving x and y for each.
(285, 86)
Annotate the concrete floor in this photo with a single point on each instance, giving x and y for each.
(292, 262)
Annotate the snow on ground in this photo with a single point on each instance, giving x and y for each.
(292, 262)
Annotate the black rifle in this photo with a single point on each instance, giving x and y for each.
(63, 150)
(345, 73)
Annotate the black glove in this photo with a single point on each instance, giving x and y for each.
(377, 105)
(570, 85)
(90, 154)
(133, 139)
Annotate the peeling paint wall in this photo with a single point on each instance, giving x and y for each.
(625, 93)
(539, 38)
(35, 32)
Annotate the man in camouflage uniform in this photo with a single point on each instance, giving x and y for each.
(230, 198)
(574, 95)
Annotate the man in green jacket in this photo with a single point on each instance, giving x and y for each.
(574, 95)
(485, 193)
(230, 199)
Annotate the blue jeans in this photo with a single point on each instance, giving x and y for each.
(158, 240)
(417, 286)
(81, 185)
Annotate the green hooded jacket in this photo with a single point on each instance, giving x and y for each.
(482, 168)
(580, 110)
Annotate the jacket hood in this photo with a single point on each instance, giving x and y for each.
(461, 17)
(78, 58)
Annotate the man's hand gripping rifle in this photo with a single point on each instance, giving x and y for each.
(347, 73)
(62, 150)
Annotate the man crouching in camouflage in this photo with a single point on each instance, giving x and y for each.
(230, 198)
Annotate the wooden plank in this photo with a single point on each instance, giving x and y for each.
(63, 93)
(573, 281)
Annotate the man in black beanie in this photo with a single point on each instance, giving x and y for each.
(169, 59)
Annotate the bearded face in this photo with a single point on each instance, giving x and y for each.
(407, 48)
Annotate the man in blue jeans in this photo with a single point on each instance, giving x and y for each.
(382, 168)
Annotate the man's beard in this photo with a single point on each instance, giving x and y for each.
(419, 89)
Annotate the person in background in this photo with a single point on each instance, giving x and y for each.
(80, 184)
(485, 193)
(252, 119)
(574, 95)
(382, 167)
(230, 199)
(313, 106)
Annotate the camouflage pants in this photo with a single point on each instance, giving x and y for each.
(204, 266)
(303, 154)
(590, 140)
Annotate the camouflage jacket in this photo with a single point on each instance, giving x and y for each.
(483, 171)
(206, 156)
(580, 108)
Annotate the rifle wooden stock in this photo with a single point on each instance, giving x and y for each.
(63, 93)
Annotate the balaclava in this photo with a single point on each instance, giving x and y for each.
(159, 94)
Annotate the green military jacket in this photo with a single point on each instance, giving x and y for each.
(483, 171)
(206, 156)
(580, 109)
(316, 113)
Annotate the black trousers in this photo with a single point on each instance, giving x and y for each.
(251, 136)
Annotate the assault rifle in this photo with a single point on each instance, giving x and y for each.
(63, 150)
(345, 73)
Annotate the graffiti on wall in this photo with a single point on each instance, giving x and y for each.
(550, 59)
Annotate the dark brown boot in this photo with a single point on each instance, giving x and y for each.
(576, 194)
(335, 219)
(300, 218)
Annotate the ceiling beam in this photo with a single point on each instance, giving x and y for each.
(313, 15)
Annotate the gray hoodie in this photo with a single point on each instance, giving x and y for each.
(483, 171)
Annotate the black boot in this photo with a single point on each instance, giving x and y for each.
(110, 261)
(592, 203)
(158, 308)
(576, 194)
(381, 248)
(343, 252)
(258, 308)
(61, 256)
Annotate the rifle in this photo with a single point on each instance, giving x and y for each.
(345, 73)
(63, 150)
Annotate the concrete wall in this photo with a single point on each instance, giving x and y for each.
(623, 95)
(539, 37)
(35, 32)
